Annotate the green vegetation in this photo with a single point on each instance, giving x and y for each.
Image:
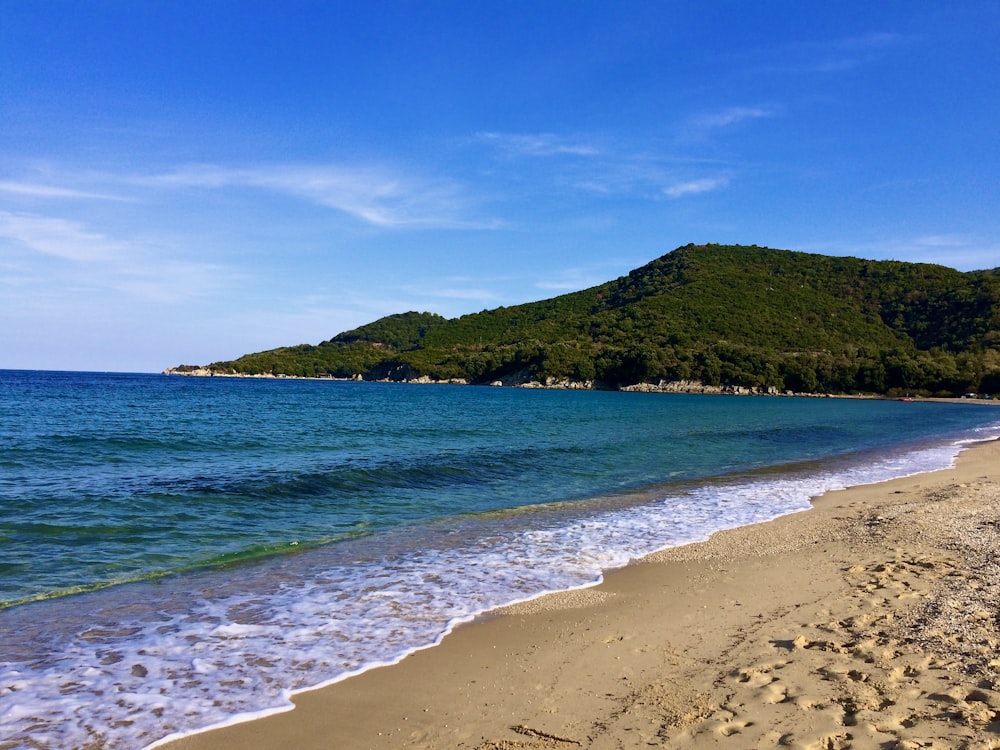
(771, 320)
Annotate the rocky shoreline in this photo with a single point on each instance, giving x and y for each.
(522, 380)
(514, 380)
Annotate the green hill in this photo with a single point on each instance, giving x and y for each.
(734, 316)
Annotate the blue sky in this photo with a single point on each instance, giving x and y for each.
(184, 182)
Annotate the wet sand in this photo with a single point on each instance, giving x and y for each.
(871, 621)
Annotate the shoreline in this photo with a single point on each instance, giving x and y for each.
(675, 387)
(840, 624)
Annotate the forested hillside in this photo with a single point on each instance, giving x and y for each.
(770, 320)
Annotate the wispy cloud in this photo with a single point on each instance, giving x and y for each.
(538, 144)
(941, 240)
(457, 293)
(432, 292)
(170, 281)
(851, 52)
(606, 170)
(584, 277)
(35, 190)
(641, 175)
(837, 55)
(704, 125)
(376, 196)
(694, 187)
(731, 116)
(617, 174)
(99, 263)
(566, 285)
(58, 237)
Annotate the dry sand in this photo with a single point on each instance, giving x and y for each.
(871, 621)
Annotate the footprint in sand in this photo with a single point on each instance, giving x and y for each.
(773, 693)
(728, 725)
(754, 677)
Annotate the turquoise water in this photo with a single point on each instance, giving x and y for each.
(156, 531)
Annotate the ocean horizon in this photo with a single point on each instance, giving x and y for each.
(180, 553)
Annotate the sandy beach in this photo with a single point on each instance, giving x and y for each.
(871, 621)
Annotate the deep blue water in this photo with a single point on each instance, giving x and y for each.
(155, 530)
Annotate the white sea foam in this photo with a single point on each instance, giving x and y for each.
(209, 650)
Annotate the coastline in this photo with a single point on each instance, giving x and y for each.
(873, 618)
(685, 387)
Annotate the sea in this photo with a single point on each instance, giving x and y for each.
(178, 553)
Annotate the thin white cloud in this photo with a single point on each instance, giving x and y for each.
(874, 40)
(538, 144)
(451, 293)
(731, 116)
(850, 52)
(567, 285)
(620, 174)
(58, 237)
(941, 240)
(643, 175)
(168, 281)
(35, 190)
(837, 55)
(99, 264)
(584, 277)
(694, 187)
(376, 196)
